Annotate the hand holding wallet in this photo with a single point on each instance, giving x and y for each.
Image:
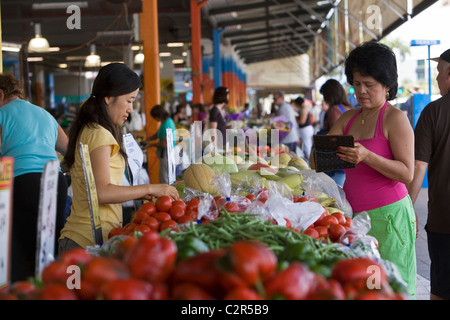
(325, 148)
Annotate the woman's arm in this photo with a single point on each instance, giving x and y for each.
(111, 193)
(62, 141)
(303, 116)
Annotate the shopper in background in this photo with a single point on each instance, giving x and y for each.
(198, 114)
(334, 95)
(383, 154)
(98, 126)
(335, 98)
(30, 135)
(432, 148)
(160, 114)
(180, 116)
(287, 110)
(217, 116)
(305, 122)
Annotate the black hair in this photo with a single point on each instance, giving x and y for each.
(376, 60)
(220, 95)
(334, 93)
(113, 80)
(159, 113)
(299, 101)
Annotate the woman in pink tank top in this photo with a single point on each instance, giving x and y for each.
(383, 154)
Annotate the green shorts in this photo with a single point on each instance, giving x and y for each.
(394, 226)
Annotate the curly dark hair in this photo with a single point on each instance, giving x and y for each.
(10, 85)
(376, 60)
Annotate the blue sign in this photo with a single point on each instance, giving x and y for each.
(424, 42)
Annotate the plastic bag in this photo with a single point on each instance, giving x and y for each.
(320, 185)
(357, 238)
(280, 208)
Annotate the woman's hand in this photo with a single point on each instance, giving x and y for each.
(158, 190)
(354, 155)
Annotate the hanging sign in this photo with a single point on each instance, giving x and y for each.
(92, 195)
(45, 250)
(6, 188)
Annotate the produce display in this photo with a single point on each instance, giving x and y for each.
(248, 231)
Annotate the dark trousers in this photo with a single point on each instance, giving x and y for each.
(25, 209)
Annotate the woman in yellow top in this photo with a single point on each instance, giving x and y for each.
(98, 125)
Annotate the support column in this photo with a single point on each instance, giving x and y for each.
(196, 50)
(217, 58)
(149, 36)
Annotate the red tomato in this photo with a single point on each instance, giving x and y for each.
(327, 221)
(263, 195)
(152, 222)
(104, 269)
(169, 224)
(348, 222)
(143, 228)
(288, 223)
(192, 204)
(163, 203)
(322, 216)
(336, 231)
(177, 211)
(300, 199)
(130, 226)
(77, 256)
(192, 214)
(232, 207)
(179, 203)
(57, 291)
(312, 233)
(55, 271)
(139, 216)
(340, 217)
(353, 269)
(184, 220)
(162, 216)
(148, 207)
(322, 230)
(251, 197)
(115, 232)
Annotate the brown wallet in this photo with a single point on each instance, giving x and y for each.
(325, 146)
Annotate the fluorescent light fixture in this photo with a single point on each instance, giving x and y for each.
(38, 43)
(165, 54)
(184, 54)
(35, 59)
(12, 47)
(75, 58)
(175, 44)
(114, 33)
(54, 49)
(92, 60)
(63, 65)
(177, 61)
(136, 47)
(58, 5)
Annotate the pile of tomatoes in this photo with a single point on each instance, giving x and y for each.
(334, 226)
(165, 213)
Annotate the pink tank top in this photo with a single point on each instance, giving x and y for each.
(365, 188)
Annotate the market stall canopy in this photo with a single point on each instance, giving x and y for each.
(258, 30)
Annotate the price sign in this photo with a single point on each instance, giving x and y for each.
(45, 251)
(6, 188)
(135, 156)
(92, 194)
(170, 156)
